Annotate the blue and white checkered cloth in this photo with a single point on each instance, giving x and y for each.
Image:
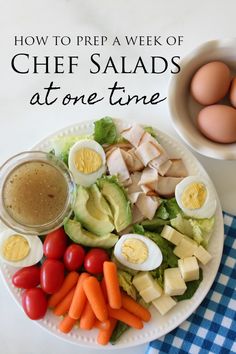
(211, 329)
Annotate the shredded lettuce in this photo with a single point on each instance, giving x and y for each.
(62, 144)
(138, 229)
(118, 331)
(105, 131)
(198, 229)
(168, 209)
(125, 281)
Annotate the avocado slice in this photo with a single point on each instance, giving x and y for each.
(119, 203)
(88, 213)
(77, 234)
(99, 201)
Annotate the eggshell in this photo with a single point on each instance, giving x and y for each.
(232, 94)
(210, 83)
(218, 123)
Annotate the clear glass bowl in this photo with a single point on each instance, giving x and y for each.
(36, 156)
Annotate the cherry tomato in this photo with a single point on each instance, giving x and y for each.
(52, 275)
(34, 303)
(27, 277)
(93, 262)
(74, 257)
(55, 243)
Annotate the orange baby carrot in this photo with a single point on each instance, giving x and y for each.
(79, 298)
(69, 282)
(126, 317)
(112, 284)
(95, 297)
(133, 307)
(104, 289)
(64, 305)
(66, 324)
(102, 325)
(104, 335)
(88, 318)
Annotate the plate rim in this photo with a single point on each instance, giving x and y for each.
(144, 339)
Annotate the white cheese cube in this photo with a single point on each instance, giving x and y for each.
(152, 292)
(164, 303)
(202, 255)
(185, 248)
(170, 234)
(173, 282)
(142, 280)
(189, 268)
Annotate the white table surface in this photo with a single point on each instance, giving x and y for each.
(22, 125)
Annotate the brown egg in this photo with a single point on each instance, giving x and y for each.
(210, 83)
(232, 93)
(218, 123)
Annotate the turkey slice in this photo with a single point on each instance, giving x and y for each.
(149, 175)
(132, 162)
(147, 152)
(134, 186)
(134, 134)
(164, 167)
(177, 169)
(166, 186)
(133, 197)
(147, 205)
(137, 216)
(116, 165)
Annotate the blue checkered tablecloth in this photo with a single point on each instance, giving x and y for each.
(212, 327)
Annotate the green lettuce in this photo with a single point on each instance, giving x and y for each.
(62, 144)
(168, 209)
(151, 131)
(125, 281)
(118, 331)
(198, 229)
(105, 131)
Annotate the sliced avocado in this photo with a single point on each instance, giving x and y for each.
(77, 234)
(119, 203)
(91, 217)
(99, 201)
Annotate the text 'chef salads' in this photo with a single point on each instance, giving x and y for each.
(136, 240)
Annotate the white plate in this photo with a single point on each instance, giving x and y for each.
(159, 325)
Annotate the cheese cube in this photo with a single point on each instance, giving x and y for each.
(185, 248)
(164, 303)
(189, 268)
(152, 292)
(170, 234)
(173, 282)
(202, 255)
(142, 280)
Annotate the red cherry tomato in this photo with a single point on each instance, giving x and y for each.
(55, 243)
(52, 275)
(34, 303)
(74, 257)
(94, 260)
(27, 277)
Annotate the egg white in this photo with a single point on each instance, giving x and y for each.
(153, 260)
(81, 178)
(35, 253)
(209, 207)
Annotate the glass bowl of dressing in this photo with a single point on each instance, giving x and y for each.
(37, 193)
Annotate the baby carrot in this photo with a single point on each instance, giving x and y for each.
(95, 297)
(69, 282)
(79, 298)
(66, 324)
(126, 317)
(102, 325)
(112, 284)
(64, 304)
(104, 335)
(88, 318)
(104, 289)
(133, 307)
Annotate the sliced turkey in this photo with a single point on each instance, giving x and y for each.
(134, 186)
(134, 134)
(177, 169)
(147, 152)
(164, 167)
(149, 175)
(166, 186)
(147, 205)
(116, 165)
(132, 161)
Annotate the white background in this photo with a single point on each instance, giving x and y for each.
(22, 125)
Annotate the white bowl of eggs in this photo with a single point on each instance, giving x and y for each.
(202, 99)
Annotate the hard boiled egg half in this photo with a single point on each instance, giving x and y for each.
(196, 197)
(87, 161)
(138, 252)
(20, 250)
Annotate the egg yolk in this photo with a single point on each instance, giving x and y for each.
(87, 160)
(15, 248)
(135, 251)
(194, 196)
